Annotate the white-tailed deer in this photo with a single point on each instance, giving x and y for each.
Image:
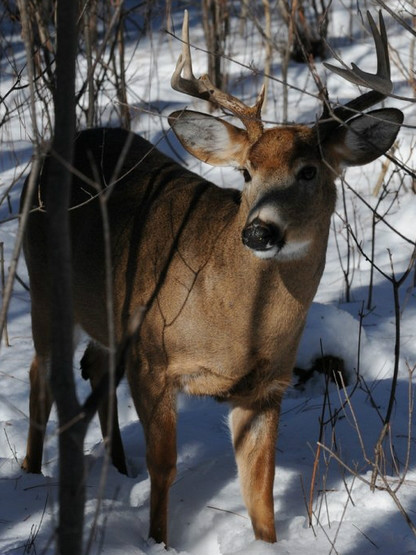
(225, 277)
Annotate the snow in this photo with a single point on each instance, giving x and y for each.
(207, 515)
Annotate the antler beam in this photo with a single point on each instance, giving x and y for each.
(380, 83)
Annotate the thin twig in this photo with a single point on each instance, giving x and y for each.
(2, 275)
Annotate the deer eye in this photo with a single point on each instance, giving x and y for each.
(246, 175)
(307, 173)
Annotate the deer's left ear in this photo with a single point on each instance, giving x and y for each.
(366, 137)
(210, 139)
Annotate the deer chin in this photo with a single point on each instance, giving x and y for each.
(291, 250)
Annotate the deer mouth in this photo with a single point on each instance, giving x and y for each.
(263, 237)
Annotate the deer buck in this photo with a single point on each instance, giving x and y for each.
(225, 277)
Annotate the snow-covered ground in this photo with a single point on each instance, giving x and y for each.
(207, 515)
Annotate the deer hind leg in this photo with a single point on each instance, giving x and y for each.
(40, 403)
(94, 365)
(254, 434)
(156, 406)
(40, 397)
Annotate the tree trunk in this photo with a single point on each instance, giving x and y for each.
(72, 429)
(215, 24)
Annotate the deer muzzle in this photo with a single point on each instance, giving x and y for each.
(262, 236)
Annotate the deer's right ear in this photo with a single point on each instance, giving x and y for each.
(210, 139)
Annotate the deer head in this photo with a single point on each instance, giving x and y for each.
(287, 166)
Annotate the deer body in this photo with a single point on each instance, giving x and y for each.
(225, 278)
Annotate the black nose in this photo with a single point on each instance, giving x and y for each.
(261, 236)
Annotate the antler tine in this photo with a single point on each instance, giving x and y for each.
(380, 83)
(183, 80)
(187, 83)
(382, 50)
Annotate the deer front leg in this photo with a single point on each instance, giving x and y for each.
(161, 462)
(40, 402)
(254, 434)
(156, 406)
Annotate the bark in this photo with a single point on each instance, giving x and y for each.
(72, 429)
(215, 24)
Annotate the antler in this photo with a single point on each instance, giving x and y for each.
(183, 80)
(380, 83)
